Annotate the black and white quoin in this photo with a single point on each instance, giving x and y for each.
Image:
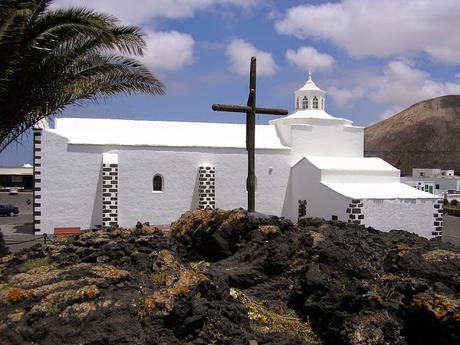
(207, 187)
(37, 196)
(109, 192)
(354, 210)
(437, 218)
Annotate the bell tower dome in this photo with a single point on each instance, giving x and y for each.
(309, 128)
(309, 96)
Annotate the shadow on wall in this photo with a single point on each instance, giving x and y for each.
(288, 211)
(196, 192)
(96, 217)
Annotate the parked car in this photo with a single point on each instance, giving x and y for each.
(8, 210)
(13, 191)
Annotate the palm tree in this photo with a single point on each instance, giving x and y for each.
(53, 58)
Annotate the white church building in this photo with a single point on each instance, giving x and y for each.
(99, 172)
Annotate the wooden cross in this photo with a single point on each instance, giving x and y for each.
(251, 110)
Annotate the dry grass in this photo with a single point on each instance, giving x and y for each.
(269, 229)
(440, 255)
(316, 237)
(267, 320)
(200, 266)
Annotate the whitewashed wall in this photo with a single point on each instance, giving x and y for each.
(305, 184)
(71, 185)
(326, 140)
(180, 171)
(72, 182)
(413, 215)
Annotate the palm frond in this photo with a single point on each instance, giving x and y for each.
(50, 59)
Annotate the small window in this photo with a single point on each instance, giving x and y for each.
(297, 103)
(437, 186)
(305, 103)
(422, 174)
(157, 183)
(315, 102)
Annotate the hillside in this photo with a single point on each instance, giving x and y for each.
(422, 136)
(229, 277)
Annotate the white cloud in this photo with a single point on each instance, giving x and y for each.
(309, 56)
(239, 54)
(343, 97)
(168, 51)
(403, 84)
(390, 112)
(381, 28)
(139, 11)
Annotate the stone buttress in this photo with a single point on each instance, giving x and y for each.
(207, 187)
(109, 189)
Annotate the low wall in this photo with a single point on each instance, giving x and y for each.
(413, 215)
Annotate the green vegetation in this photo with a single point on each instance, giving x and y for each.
(52, 310)
(6, 286)
(452, 208)
(34, 263)
(53, 58)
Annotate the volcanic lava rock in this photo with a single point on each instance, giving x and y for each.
(216, 234)
(355, 285)
(118, 286)
(227, 277)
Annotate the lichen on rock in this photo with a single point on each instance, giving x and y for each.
(306, 283)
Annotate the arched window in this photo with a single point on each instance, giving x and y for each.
(322, 103)
(315, 103)
(297, 103)
(305, 103)
(157, 183)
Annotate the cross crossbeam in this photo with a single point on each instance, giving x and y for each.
(251, 110)
(245, 109)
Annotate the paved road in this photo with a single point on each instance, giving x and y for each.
(18, 231)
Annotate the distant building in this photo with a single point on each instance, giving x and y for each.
(440, 182)
(16, 176)
(93, 172)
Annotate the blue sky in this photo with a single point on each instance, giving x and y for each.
(374, 58)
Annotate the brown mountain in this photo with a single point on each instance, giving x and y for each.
(426, 135)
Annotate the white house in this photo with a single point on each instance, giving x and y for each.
(440, 182)
(91, 172)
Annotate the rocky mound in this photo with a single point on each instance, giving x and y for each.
(226, 277)
(422, 136)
